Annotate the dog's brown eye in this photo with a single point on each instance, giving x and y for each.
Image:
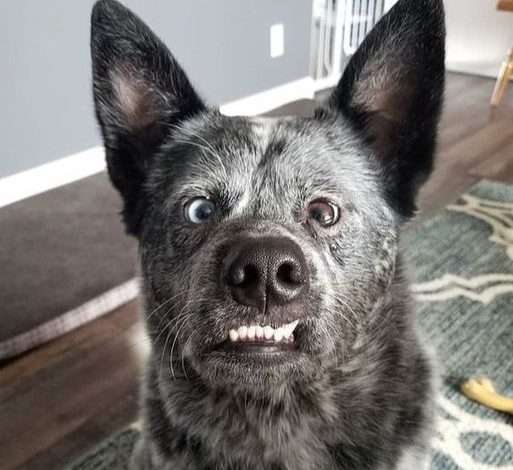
(199, 210)
(324, 212)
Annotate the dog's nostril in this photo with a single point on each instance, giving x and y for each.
(288, 274)
(243, 275)
(250, 276)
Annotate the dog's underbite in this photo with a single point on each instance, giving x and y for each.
(282, 332)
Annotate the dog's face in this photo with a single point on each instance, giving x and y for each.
(265, 243)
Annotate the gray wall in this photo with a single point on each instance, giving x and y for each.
(478, 37)
(45, 99)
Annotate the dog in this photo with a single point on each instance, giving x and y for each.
(282, 332)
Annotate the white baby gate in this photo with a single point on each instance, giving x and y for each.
(339, 27)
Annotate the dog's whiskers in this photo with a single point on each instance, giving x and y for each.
(176, 323)
(156, 309)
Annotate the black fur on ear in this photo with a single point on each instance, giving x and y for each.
(392, 93)
(139, 92)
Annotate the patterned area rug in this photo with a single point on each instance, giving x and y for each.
(462, 261)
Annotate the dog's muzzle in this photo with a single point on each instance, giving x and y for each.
(268, 274)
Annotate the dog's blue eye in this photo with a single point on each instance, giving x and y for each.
(199, 210)
(324, 212)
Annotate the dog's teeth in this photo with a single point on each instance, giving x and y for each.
(288, 329)
(279, 334)
(243, 333)
(259, 332)
(268, 332)
(251, 333)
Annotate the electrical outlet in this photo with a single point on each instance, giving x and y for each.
(277, 40)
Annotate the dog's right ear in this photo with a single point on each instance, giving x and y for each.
(140, 92)
(392, 92)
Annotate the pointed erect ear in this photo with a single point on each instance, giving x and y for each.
(140, 92)
(392, 92)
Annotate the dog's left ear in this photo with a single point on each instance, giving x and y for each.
(392, 92)
(140, 94)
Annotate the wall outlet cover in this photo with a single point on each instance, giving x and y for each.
(277, 40)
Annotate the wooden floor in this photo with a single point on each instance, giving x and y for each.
(61, 399)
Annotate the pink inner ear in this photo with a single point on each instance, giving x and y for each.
(385, 87)
(385, 93)
(135, 99)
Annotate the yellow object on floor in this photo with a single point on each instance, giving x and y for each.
(483, 392)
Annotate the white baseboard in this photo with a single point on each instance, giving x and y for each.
(267, 100)
(51, 175)
(325, 83)
(89, 162)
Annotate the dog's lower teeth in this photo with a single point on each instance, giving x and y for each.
(243, 333)
(279, 334)
(258, 333)
(268, 332)
(251, 333)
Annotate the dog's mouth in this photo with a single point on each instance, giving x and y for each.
(259, 339)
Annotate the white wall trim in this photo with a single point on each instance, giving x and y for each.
(89, 162)
(51, 175)
(270, 99)
(327, 82)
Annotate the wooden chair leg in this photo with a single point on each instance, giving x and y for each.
(505, 75)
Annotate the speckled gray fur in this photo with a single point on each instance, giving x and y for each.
(358, 394)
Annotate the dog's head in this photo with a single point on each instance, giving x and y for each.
(266, 243)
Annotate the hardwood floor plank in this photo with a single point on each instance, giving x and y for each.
(70, 393)
(86, 437)
(498, 166)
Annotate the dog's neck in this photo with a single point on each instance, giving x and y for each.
(228, 423)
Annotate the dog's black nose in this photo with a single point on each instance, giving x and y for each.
(266, 272)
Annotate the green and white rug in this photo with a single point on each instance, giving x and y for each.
(463, 265)
(462, 261)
